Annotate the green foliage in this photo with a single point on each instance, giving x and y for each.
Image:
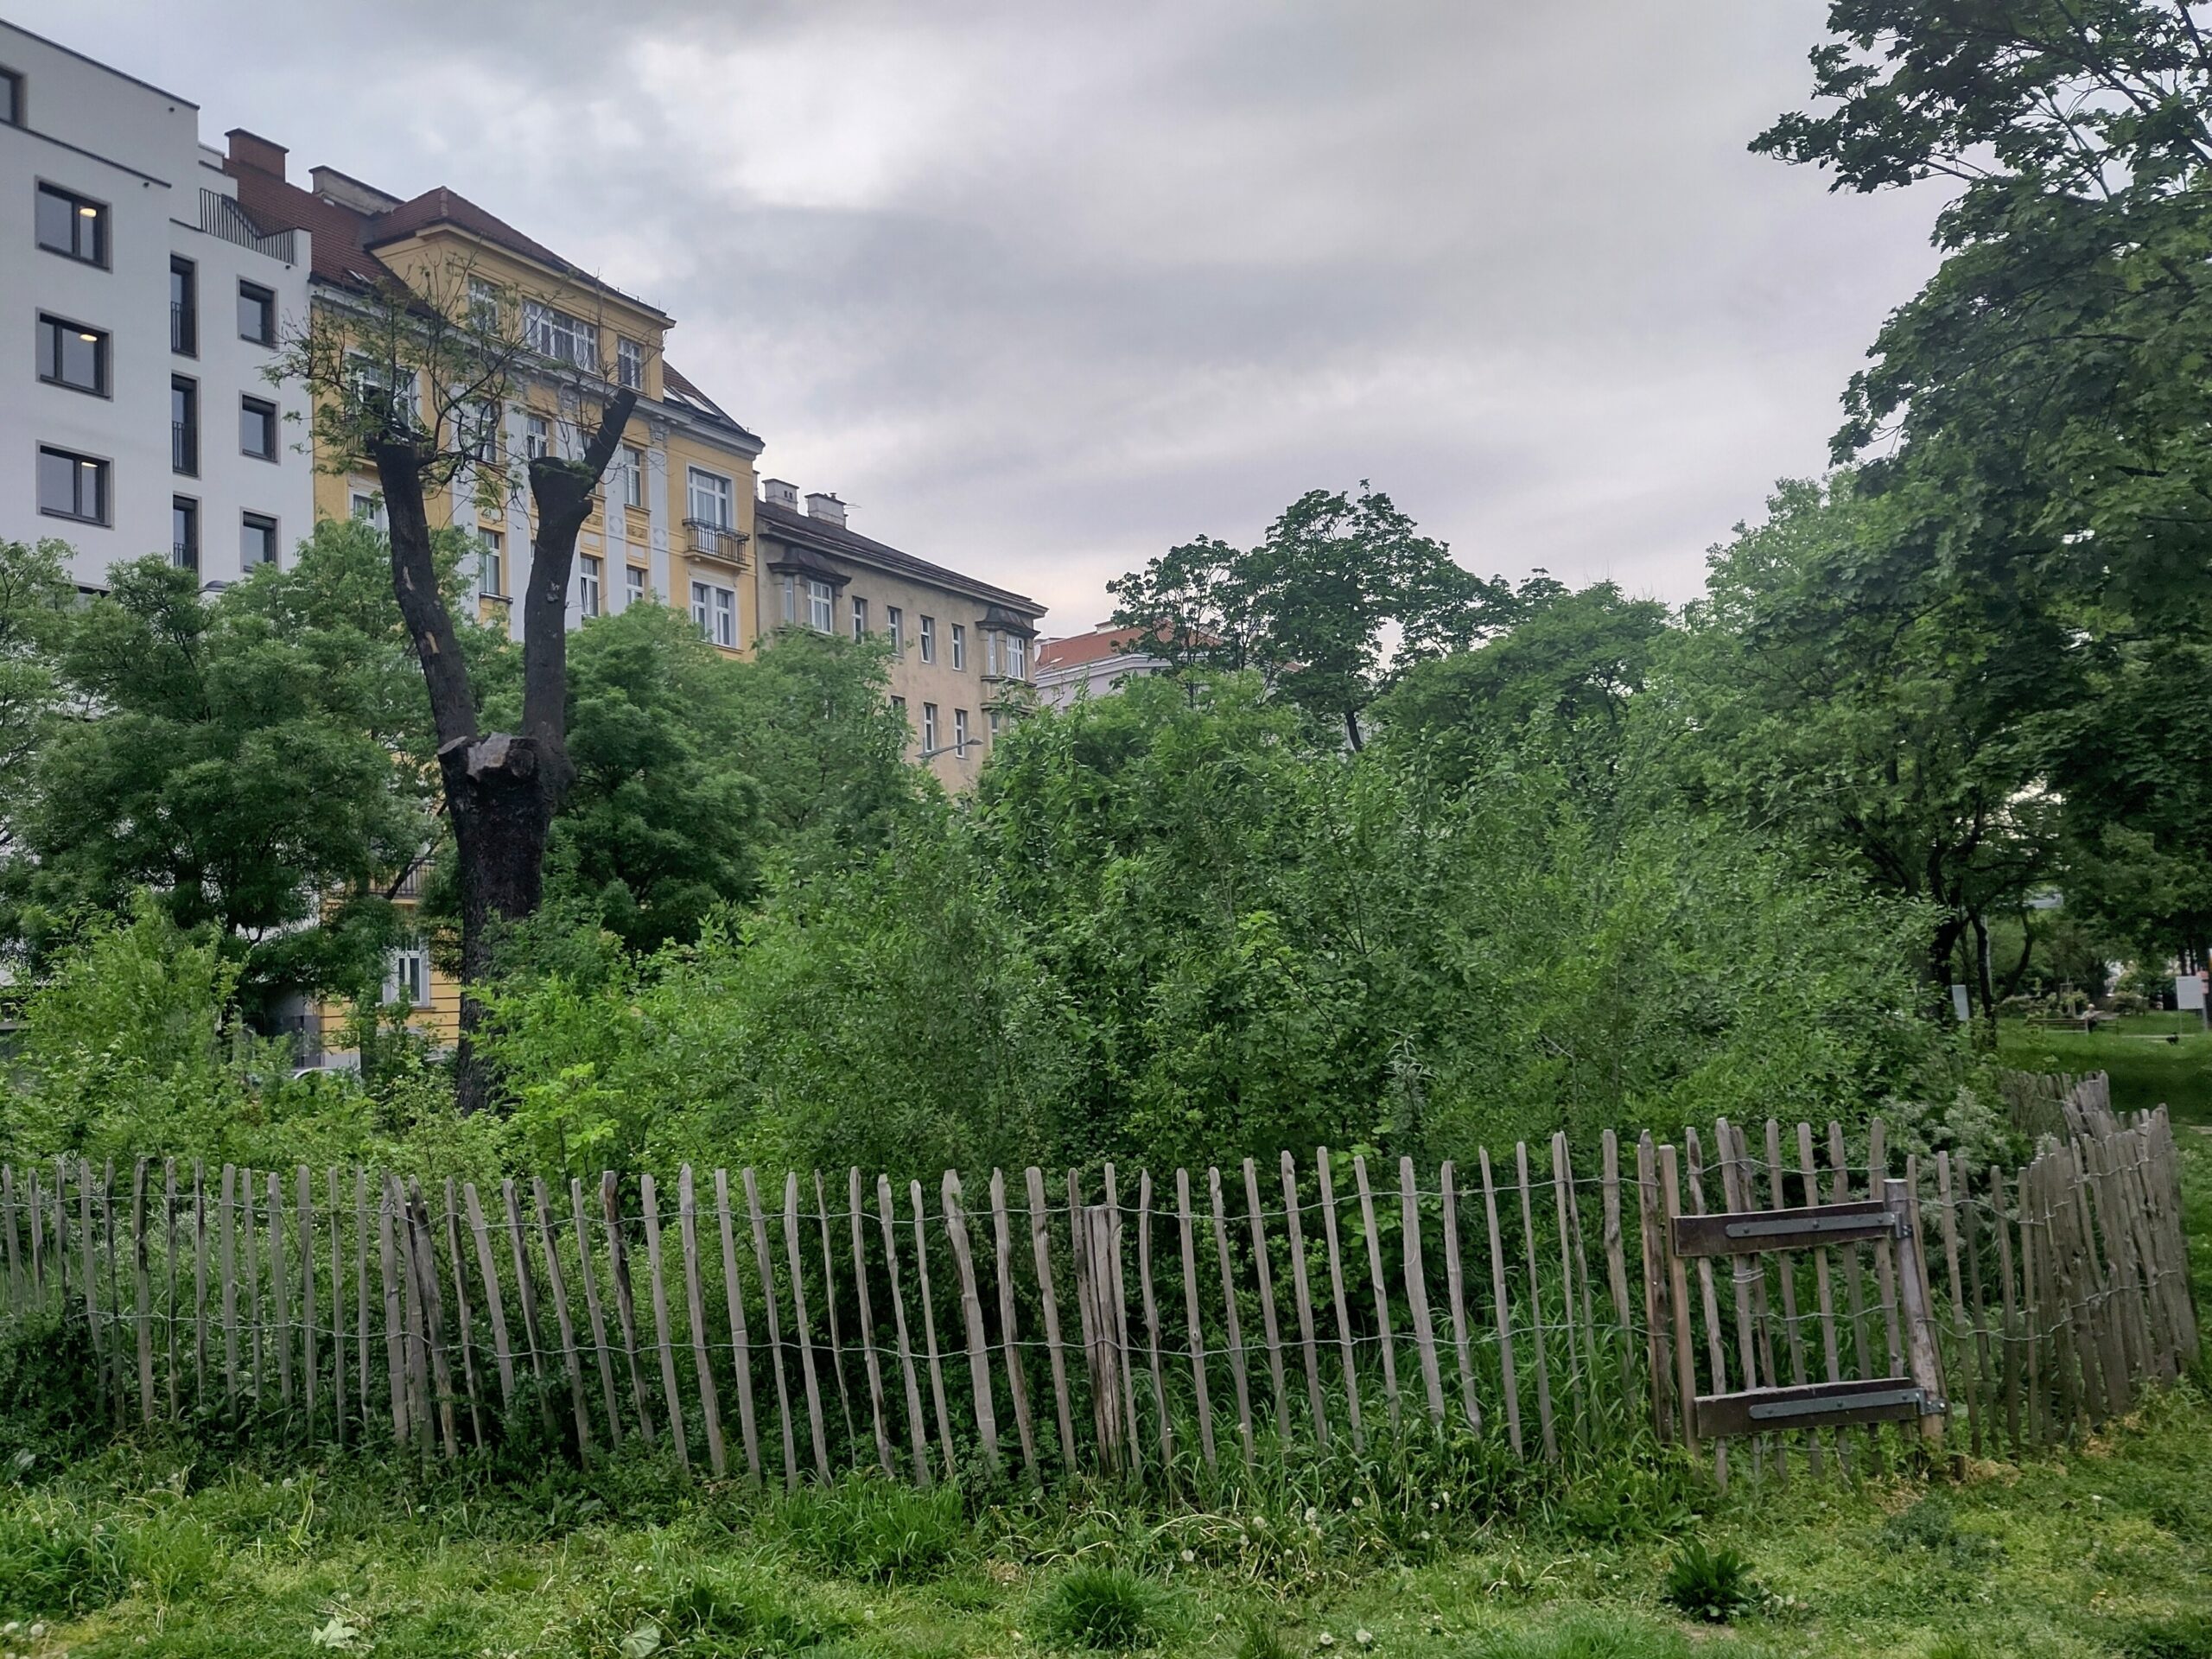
(50, 1407)
(1102, 1608)
(1260, 1640)
(1929, 1525)
(1583, 1636)
(53, 1559)
(1309, 606)
(682, 1606)
(871, 1529)
(1712, 1585)
(2183, 1636)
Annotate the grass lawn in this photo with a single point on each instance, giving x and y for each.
(165, 1550)
(2146, 1069)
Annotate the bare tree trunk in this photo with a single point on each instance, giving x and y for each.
(1985, 988)
(502, 788)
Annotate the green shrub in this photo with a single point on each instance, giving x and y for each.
(50, 1407)
(1103, 1608)
(863, 1528)
(2182, 1636)
(1711, 1585)
(1930, 1525)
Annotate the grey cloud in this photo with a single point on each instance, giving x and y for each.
(1043, 289)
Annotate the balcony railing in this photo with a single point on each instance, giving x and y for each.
(184, 448)
(184, 329)
(221, 216)
(712, 541)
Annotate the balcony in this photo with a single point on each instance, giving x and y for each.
(184, 448)
(709, 540)
(184, 329)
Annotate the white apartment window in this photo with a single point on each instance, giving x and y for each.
(633, 476)
(895, 625)
(707, 500)
(1017, 667)
(959, 646)
(960, 731)
(860, 619)
(373, 381)
(994, 722)
(899, 705)
(71, 355)
(587, 584)
(257, 313)
(483, 304)
(478, 428)
(256, 540)
(929, 726)
(407, 977)
(71, 225)
(990, 655)
(630, 363)
(928, 639)
(715, 610)
(560, 336)
(257, 428)
(790, 601)
(490, 564)
(72, 486)
(633, 584)
(366, 506)
(536, 438)
(821, 606)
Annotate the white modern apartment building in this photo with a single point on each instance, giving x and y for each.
(139, 308)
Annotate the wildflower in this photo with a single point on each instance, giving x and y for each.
(1189, 1556)
(1365, 1638)
(1327, 1641)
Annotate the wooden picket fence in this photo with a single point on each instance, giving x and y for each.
(1132, 1328)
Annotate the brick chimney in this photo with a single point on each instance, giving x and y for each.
(252, 150)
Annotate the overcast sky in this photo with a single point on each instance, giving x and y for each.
(1042, 289)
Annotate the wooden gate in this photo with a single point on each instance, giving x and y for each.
(1768, 1252)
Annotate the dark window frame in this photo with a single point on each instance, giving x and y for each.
(102, 470)
(265, 299)
(258, 522)
(102, 385)
(272, 419)
(13, 80)
(102, 257)
(184, 451)
(189, 508)
(184, 316)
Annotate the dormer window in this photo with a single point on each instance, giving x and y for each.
(560, 336)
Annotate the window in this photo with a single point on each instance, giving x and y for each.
(707, 500)
(994, 722)
(536, 438)
(821, 604)
(257, 313)
(184, 308)
(959, 646)
(366, 506)
(1016, 652)
(588, 570)
(407, 979)
(184, 532)
(257, 428)
(633, 476)
(490, 564)
(633, 584)
(71, 225)
(483, 305)
(714, 609)
(860, 619)
(898, 704)
(990, 655)
(929, 727)
(72, 487)
(71, 355)
(895, 625)
(11, 98)
(184, 426)
(960, 731)
(373, 384)
(478, 429)
(256, 540)
(928, 639)
(560, 336)
(630, 363)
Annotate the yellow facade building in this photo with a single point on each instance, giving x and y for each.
(680, 517)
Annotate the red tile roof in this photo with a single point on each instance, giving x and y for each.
(1093, 647)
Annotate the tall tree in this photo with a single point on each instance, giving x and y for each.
(415, 383)
(1313, 607)
(35, 600)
